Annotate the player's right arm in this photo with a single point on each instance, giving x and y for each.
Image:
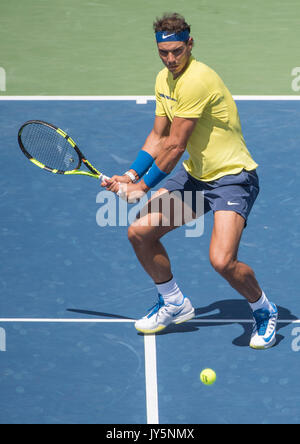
(149, 152)
(158, 135)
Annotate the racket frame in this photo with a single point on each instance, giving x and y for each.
(82, 159)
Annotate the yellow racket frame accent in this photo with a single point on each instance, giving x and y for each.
(93, 171)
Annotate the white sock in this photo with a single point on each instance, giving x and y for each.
(263, 302)
(170, 292)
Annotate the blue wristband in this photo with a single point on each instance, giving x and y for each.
(154, 176)
(142, 163)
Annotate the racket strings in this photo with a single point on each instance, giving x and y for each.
(50, 148)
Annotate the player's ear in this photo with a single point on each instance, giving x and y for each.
(190, 44)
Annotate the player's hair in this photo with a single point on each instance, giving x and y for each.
(172, 22)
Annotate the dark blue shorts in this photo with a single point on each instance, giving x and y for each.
(234, 192)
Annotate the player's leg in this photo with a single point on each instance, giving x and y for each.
(145, 234)
(159, 217)
(226, 235)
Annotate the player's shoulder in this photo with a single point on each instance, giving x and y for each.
(162, 75)
(201, 71)
(195, 80)
(202, 78)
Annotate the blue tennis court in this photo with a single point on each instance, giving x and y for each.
(71, 289)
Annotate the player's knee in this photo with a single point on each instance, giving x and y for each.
(139, 235)
(135, 234)
(132, 234)
(222, 265)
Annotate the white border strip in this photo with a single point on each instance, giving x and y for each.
(137, 99)
(67, 320)
(241, 321)
(151, 379)
(90, 320)
(266, 97)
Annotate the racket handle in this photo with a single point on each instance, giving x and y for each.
(102, 177)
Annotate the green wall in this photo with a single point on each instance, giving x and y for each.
(107, 47)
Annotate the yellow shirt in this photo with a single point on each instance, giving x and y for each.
(216, 147)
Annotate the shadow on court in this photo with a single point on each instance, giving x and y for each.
(98, 314)
(232, 311)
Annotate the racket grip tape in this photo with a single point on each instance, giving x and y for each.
(102, 177)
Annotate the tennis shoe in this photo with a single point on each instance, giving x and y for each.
(264, 330)
(164, 314)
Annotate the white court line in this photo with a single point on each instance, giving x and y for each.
(266, 97)
(90, 320)
(63, 320)
(151, 379)
(137, 99)
(241, 321)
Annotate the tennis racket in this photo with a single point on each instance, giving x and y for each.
(51, 149)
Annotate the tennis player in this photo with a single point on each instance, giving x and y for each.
(194, 112)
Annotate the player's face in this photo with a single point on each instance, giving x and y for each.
(175, 55)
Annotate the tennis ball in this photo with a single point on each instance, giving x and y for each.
(208, 376)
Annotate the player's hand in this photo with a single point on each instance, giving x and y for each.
(131, 192)
(121, 179)
(109, 183)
